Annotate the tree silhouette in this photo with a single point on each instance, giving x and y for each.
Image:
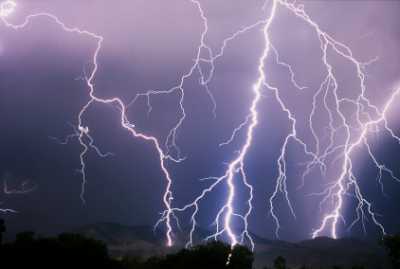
(75, 251)
(25, 238)
(280, 263)
(213, 255)
(2, 230)
(392, 245)
(65, 251)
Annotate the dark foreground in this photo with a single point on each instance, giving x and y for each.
(77, 251)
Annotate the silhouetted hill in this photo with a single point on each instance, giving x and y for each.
(126, 240)
(141, 241)
(324, 252)
(113, 233)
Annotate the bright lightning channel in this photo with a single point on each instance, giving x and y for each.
(340, 187)
(6, 9)
(368, 116)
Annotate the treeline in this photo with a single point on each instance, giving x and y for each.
(390, 242)
(75, 251)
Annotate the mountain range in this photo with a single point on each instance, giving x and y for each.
(322, 252)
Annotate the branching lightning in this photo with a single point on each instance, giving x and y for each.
(6, 9)
(24, 188)
(368, 118)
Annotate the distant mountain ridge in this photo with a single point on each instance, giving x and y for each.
(324, 252)
(327, 252)
(114, 233)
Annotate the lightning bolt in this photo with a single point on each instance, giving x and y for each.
(368, 118)
(24, 188)
(6, 9)
(238, 163)
(235, 168)
(348, 178)
(365, 109)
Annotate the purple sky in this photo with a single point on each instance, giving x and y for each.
(149, 45)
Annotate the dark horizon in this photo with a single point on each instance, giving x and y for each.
(158, 234)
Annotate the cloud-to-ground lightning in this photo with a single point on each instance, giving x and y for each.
(368, 118)
(236, 167)
(346, 179)
(6, 9)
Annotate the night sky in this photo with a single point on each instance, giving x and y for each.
(149, 45)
